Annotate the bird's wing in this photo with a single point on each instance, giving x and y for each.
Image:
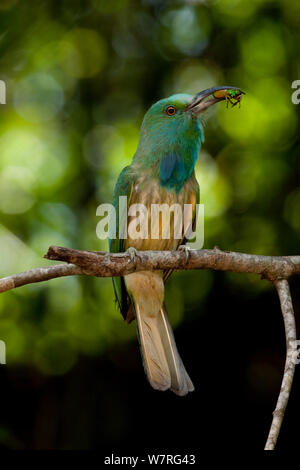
(116, 245)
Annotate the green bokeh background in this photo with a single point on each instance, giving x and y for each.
(80, 76)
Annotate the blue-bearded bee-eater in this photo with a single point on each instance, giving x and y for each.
(161, 172)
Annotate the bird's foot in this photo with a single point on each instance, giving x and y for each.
(187, 251)
(132, 252)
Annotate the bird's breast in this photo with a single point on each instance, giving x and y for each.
(159, 231)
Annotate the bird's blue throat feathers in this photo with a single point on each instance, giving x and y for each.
(170, 149)
(174, 170)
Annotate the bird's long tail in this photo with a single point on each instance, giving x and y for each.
(162, 363)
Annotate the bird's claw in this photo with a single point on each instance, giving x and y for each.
(132, 252)
(216, 248)
(187, 251)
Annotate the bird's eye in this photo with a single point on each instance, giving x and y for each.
(171, 110)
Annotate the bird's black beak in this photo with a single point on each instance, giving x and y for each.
(214, 95)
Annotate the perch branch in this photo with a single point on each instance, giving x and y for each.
(276, 269)
(103, 264)
(283, 290)
(119, 264)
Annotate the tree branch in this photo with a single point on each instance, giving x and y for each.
(103, 264)
(119, 264)
(39, 275)
(277, 269)
(283, 290)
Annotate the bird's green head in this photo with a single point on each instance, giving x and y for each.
(172, 133)
(173, 124)
(169, 126)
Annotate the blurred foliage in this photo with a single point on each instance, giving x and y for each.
(79, 78)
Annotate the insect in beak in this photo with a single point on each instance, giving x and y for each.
(214, 95)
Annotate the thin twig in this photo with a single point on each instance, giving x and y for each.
(39, 275)
(283, 290)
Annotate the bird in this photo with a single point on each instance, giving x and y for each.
(161, 172)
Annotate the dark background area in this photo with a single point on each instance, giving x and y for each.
(80, 76)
